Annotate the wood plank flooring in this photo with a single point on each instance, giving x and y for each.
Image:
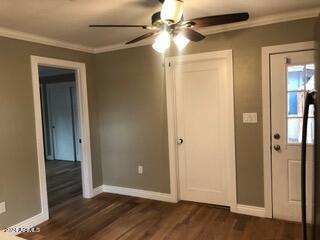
(63, 181)
(110, 216)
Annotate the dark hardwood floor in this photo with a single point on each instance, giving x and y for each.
(110, 216)
(63, 181)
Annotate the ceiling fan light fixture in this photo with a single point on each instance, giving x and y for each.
(158, 48)
(172, 11)
(162, 42)
(181, 41)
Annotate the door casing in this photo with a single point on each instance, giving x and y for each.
(81, 84)
(172, 121)
(266, 113)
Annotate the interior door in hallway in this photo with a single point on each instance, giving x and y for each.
(62, 119)
(204, 106)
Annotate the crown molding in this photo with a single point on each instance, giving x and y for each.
(254, 22)
(5, 32)
(121, 46)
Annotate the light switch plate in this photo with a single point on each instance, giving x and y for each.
(250, 117)
(140, 169)
(2, 207)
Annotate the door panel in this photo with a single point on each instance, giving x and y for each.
(202, 107)
(290, 79)
(61, 120)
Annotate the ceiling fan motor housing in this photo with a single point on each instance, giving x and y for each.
(156, 18)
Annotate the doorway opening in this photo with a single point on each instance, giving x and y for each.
(61, 133)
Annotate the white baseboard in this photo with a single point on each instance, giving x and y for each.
(31, 222)
(249, 210)
(164, 197)
(97, 190)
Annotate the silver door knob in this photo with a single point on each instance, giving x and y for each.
(277, 147)
(180, 141)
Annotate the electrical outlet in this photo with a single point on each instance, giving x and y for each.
(2, 207)
(250, 118)
(140, 169)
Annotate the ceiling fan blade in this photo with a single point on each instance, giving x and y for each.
(192, 35)
(220, 19)
(117, 26)
(144, 3)
(147, 35)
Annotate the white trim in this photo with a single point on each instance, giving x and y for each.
(31, 222)
(164, 197)
(171, 122)
(9, 33)
(172, 126)
(98, 190)
(253, 22)
(121, 46)
(81, 83)
(266, 115)
(250, 210)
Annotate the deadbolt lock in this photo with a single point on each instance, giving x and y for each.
(276, 136)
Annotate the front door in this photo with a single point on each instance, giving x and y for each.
(292, 74)
(204, 105)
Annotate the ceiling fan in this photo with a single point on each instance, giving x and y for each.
(170, 23)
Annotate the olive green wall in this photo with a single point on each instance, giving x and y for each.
(19, 185)
(133, 130)
(131, 103)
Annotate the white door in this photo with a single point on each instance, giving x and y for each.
(292, 74)
(62, 115)
(47, 133)
(204, 106)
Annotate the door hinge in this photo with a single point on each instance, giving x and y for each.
(287, 60)
(80, 140)
(169, 64)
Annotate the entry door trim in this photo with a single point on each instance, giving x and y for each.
(266, 113)
(172, 121)
(81, 85)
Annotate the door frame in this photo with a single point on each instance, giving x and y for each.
(172, 122)
(266, 53)
(81, 85)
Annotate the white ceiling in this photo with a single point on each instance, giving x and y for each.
(68, 20)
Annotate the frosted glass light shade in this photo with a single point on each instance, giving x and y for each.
(162, 42)
(172, 10)
(181, 41)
